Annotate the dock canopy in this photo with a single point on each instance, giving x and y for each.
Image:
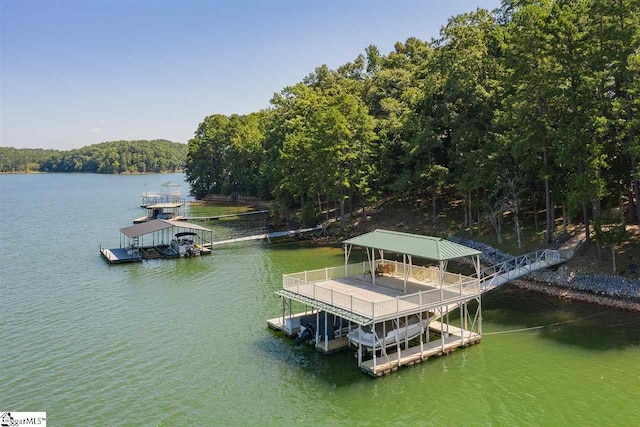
(157, 225)
(427, 247)
(186, 233)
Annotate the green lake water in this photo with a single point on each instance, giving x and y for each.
(184, 342)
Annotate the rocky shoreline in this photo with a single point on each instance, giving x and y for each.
(563, 282)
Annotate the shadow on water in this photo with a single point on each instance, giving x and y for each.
(589, 326)
(338, 369)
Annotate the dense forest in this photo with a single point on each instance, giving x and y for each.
(533, 106)
(108, 157)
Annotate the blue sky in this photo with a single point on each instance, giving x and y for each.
(74, 73)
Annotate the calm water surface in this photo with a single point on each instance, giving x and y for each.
(184, 342)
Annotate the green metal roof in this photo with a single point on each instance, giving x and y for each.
(433, 248)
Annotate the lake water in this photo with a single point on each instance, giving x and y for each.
(184, 342)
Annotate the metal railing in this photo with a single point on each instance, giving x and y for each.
(306, 284)
(529, 262)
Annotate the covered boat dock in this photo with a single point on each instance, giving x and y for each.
(372, 305)
(159, 238)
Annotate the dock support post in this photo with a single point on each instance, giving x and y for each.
(462, 319)
(373, 349)
(441, 329)
(406, 330)
(447, 321)
(428, 323)
(373, 266)
(326, 335)
(284, 313)
(422, 335)
(398, 338)
(404, 275)
(384, 338)
(359, 346)
(480, 315)
(317, 327)
(466, 310)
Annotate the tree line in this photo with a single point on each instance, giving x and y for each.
(533, 106)
(108, 157)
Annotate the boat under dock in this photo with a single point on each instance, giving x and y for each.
(453, 339)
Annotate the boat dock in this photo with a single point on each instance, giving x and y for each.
(385, 308)
(162, 242)
(160, 232)
(388, 310)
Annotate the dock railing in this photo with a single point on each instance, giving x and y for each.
(307, 283)
(528, 262)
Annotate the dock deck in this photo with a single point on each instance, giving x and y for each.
(119, 255)
(386, 364)
(123, 255)
(355, 298)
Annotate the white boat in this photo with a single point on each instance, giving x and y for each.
(392, 331)
(185, 246)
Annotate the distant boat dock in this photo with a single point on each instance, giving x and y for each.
(163, 245)
(162, 241)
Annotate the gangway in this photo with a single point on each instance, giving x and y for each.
(267, 236)
(516, 267)
(511, 269)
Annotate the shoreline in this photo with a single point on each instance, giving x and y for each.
(563, 292)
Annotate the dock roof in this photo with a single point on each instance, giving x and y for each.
(428, 247)
(157, 225)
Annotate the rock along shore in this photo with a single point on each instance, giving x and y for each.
(564, 282)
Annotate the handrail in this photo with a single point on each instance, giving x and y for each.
(489, 275)
(305, 283)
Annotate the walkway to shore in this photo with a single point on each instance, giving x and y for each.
(571, 246)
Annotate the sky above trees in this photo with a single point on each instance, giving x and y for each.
(73, 73)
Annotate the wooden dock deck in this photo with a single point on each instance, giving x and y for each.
(291, 324)
(389, 363)
(122, 255)
(119, 256)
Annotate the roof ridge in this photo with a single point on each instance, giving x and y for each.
(417, 236)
